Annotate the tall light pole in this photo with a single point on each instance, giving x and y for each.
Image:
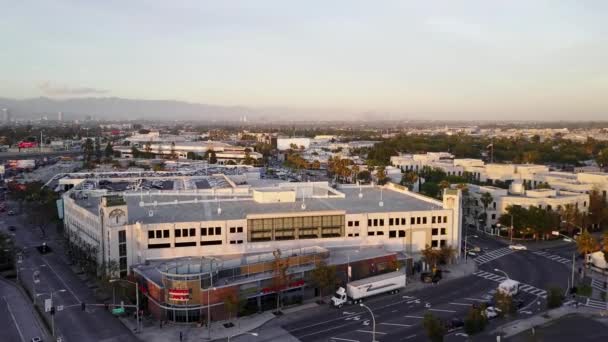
(52, 305)
(503, 272)
(574, 252)
(373, 321)
(136, 298)
(245, 333)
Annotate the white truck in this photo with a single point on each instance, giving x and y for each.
(509, 286)
(357, 290)
(597, 259)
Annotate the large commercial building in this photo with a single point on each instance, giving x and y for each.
(152, 234)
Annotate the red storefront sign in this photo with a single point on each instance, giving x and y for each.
(180, 295)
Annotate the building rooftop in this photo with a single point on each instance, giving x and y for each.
(189, 207)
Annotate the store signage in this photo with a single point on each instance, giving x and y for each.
(180, 295)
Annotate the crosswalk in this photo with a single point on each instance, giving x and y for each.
(523, 287)
(493, 255)
(596, 304)
(554, 257)
(598, 284)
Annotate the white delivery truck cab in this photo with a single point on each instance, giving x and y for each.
(509, 286)
(357, 290)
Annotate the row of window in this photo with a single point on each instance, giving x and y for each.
(353, 223)
(402, 221)
(189, 232)
(435, 231)
(185, 244)
(236, 229)
(438, 243)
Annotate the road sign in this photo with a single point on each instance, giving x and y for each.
(47, 305)
(59, 307)
(118, 311)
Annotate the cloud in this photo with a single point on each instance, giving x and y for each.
(59, 90)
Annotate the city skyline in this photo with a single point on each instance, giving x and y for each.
(466, 60)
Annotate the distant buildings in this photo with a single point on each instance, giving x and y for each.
(6, 115)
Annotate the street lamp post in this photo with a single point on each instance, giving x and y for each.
(136, 299)
(52, 305)
(574, 252)
(245, 333)
(503, 272)
(373, 321)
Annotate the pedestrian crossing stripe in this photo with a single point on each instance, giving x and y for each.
(554, 257)
(598, 285)
(523, 287)
(493, 255)
(596, 304)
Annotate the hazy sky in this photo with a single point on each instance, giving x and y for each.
(444, 59)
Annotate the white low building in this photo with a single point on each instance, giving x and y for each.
(214, 218)
(548, 199)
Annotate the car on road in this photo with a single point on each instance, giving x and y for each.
(11, 213)
(567, 239)
(12, 228)
(492, 312)
(36, 339)
(518, 247)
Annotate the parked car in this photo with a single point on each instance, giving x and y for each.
(518, 247)
(12, 228)
(492, 312)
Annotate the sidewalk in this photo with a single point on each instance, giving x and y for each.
(151, 330)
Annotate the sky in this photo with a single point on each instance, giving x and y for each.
(449, 59)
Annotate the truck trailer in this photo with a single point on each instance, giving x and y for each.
(357, 290)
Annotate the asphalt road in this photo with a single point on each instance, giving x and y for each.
(96, 324)
(567, 329)
(399, 317)
(18, 321)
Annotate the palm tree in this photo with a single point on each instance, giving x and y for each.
(409, 179)
(486, 199)
(586, 244)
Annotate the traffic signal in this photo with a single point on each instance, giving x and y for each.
(52, 310)
(83, 306)
(107, 306)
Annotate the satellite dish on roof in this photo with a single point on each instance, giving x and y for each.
(150, 213)
(141, 203)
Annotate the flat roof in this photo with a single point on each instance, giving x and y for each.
(206, 208)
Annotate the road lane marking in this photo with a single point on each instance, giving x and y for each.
(8, 306)
(326, 330)
(61, 279)
(462, 304)
(371, 332)
(475, 299)
(398, 324)
(442, 310)
(419, 317)
(342, 339)
(411, 336)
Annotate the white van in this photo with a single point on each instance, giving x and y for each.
(509, 286)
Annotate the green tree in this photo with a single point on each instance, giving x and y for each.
(476, 320)
(586, 244)
(486, 199)
(555, 297)
(602, 158)
(446, 254)
(212, 157)
(381, 175)
(504, 302)
(430, 189)
(431, 256)
(324, 277)
(231, 304)
(97, 150)
(280, 277)
(109, 151)
(88, 150)
(364, 176)
(434, 328)
(173, 153)
(409, 179)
